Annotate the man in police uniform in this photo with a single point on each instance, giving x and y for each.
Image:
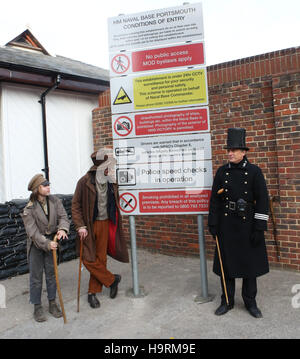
(238, 216)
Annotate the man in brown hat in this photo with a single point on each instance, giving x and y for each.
(43, 217)
(238, 216)
(96, 215)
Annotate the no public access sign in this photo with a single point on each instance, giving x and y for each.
(157, 59)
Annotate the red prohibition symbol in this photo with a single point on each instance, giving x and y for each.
(120, 63)
(129, 203)
(123, 126)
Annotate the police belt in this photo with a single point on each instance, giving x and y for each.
(240, 207)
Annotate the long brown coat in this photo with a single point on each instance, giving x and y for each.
(37, 225)
(83, 207)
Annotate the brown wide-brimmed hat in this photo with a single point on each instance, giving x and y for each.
(36, 181)
(97, 162)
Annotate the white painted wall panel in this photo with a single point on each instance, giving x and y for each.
(2, 188)
(22, 140)
(70, 138)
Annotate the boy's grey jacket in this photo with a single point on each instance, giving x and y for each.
(38, 226)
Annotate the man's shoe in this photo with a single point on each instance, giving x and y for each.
(94, 302)
(114, 286)
(223, 309)
(254, 311)
(54, 310)
(39, 314)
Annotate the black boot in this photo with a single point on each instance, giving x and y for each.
(94, 302)
(39, 314)
(54, 309)
(254, 311)
(114, 286)
(223, 309)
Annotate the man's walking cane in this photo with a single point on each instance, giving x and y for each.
(57, 281)
(222, 271)
(79, 276)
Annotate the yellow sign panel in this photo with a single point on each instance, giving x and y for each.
(170, 89)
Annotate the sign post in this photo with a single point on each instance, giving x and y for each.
(205, 297)
(135, 273)
(160, 118)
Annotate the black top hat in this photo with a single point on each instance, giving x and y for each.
(236, 138)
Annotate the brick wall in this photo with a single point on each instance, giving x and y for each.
(261, 94)
(286, 98)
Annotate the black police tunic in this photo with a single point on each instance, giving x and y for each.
(235, 223)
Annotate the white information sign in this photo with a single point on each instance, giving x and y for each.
(165, 175)
(156, 27)
(163, 149)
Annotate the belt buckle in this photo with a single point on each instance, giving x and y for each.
(232, 206)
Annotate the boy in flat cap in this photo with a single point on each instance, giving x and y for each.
(43, 217)
(238, 216)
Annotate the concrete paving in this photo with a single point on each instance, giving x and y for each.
(167, 311)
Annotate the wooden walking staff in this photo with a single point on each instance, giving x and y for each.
(222, 271)
(57, 282)
(221, 191)
(271, 201)
(79, 276)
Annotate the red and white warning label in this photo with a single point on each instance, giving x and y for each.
(155, 123)
(170, 202)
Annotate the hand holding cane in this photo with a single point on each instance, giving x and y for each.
(57, 282)
(222, 271)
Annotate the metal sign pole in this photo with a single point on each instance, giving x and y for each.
(205, 297)
(135, 274)
(137, 291)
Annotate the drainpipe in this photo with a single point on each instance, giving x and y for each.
(42, 101)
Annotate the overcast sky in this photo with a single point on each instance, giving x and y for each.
(78, 29)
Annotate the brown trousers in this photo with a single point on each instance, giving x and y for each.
(99, 275)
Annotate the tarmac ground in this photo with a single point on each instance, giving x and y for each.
(167, 310)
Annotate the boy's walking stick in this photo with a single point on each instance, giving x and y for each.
(222, 271)
(79, 276)
(57, 282)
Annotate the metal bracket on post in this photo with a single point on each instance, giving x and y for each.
(205, 297)
(137, 291)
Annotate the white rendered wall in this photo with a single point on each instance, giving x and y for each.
(70, 138)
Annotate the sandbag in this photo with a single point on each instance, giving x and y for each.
(4, 209)
(4, 221)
